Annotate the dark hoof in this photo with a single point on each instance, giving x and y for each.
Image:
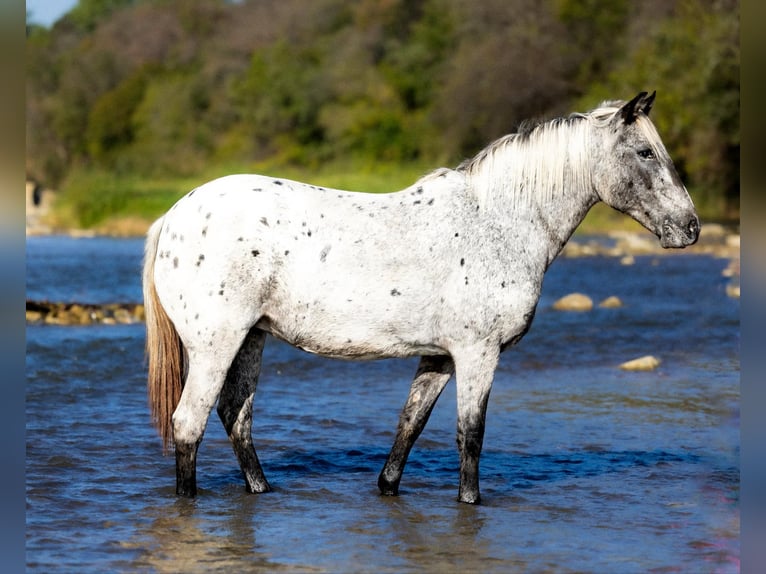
(186, 491)
(388, 488)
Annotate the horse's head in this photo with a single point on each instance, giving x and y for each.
(634, 174)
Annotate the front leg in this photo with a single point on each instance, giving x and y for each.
(475, 370)
(431, 377)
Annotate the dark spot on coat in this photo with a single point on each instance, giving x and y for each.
(220, 292)
(192, 192)
(308, 233)
(395, 292)
(466, 280)
(416, 202)
(502, 284)
(462, 262)
(255, 253)
(419, 189)
(257, 189)
(457, 235)
(324, 252)
(175, 262)
(200, 259)
(240, 238)
(431, 201)
(208, 215)
(287, 252)
(204, 231)
(277, 182)
(265, 221)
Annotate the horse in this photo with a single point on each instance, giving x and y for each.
(449, 269)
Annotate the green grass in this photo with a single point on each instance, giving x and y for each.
(89, 198)
(103, 201)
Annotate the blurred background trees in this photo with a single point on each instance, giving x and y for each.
(174, 86)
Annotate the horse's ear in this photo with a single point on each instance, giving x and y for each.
(641, 103)
(646, 105)
(629, 111)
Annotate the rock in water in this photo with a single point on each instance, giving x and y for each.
(646, 363)
(574, 302)
(611, 302)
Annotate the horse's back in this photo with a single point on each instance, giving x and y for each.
(337, 273)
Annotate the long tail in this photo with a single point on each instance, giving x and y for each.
(164, 349)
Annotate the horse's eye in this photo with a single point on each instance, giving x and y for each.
(646, 153)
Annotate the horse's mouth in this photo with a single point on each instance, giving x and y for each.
(674, 235)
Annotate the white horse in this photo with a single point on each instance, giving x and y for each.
(449, 269)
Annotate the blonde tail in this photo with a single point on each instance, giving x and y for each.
(164, 349)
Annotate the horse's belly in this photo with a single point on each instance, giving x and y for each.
(357, 341)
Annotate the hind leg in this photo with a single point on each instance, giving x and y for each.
(235, 408)
(431, 378)
(204, 380)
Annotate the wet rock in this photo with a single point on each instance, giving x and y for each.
(58, 313)
(627, 260)
(574, 302)
(645, 363)
(612, 302)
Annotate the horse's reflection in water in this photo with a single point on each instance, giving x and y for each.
(449, 269)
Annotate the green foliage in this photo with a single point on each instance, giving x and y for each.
(280, 96)
(170, 134)
(144, 91)
(597, 29)
(698, 98)
(110, 124)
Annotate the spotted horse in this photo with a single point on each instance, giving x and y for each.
(449, 269)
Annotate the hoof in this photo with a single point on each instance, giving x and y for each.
(186, 492)
(258, 488)
(388, 488)
(471, 498)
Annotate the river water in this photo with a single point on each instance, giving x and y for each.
(586, 467)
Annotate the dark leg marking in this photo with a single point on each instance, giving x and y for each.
(235, 408)
(431, 378)
(186, 469)
(470, 437)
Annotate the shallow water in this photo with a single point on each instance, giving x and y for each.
(586, 468)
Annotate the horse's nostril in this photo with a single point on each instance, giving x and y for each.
(694, 226)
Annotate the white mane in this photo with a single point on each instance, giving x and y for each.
(543, 161)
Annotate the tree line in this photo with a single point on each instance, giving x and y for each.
(172, 86)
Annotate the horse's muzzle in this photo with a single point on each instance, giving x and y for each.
(681, 233)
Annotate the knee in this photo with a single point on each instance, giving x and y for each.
(186, 430)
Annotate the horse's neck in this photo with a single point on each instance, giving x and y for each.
(546, 220)
(553, 224)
